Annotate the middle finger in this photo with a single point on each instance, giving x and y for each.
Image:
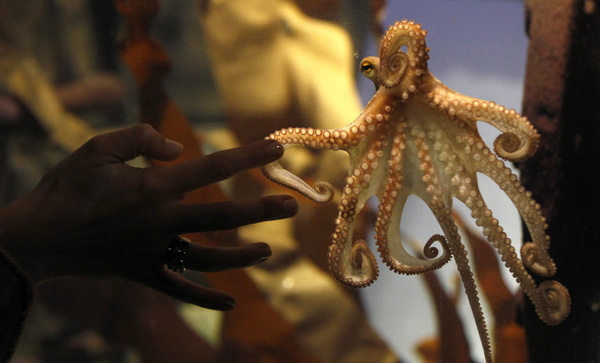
(187, 176)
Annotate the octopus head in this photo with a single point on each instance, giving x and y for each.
(403, 57)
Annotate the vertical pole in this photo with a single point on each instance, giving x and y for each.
(562, 99)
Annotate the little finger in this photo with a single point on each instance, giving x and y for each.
(180, 288)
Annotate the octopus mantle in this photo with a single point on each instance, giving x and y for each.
(418, 137)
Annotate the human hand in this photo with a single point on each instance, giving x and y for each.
(94, 215)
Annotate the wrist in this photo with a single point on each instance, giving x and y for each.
(20, 271)
(9, 252)
(14, 245)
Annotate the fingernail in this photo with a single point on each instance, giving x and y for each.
(266, 252)
(173, 146)
(274, 149)
(290, 206)
(228, 305)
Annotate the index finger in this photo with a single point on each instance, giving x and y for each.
(221, 165)
(128, 143)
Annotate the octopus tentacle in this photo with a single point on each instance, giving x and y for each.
(397, 67)
(519, 139)
(351, 263)
(537, 259)
(552, 303)
(338, 139)
(466, 275)
(376, 115)
(321, 191)
(390, 246)
(443, 213)
(535, 254)
(557, 301)
(389, 218)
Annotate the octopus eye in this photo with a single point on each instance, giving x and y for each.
(366, 67)
(369, 67)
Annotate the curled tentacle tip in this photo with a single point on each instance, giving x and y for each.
(429, 259)
(357, 269)
(361, 255)
(557, 302)
(511, 147)
(532, 256)
(325, 190)
(391, 72)
(432, 252)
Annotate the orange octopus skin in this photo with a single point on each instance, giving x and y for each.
(418, 137)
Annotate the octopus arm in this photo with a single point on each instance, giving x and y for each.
(347, 138)
(551, 299)
(466, 275)
(393, 198)
(519, 139)
(436, 192)
(393, 253)
(535, 254)
(321, 191)
(351, 262)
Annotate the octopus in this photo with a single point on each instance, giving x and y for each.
(418, 137)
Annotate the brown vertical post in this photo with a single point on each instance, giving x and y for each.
(562, 99)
